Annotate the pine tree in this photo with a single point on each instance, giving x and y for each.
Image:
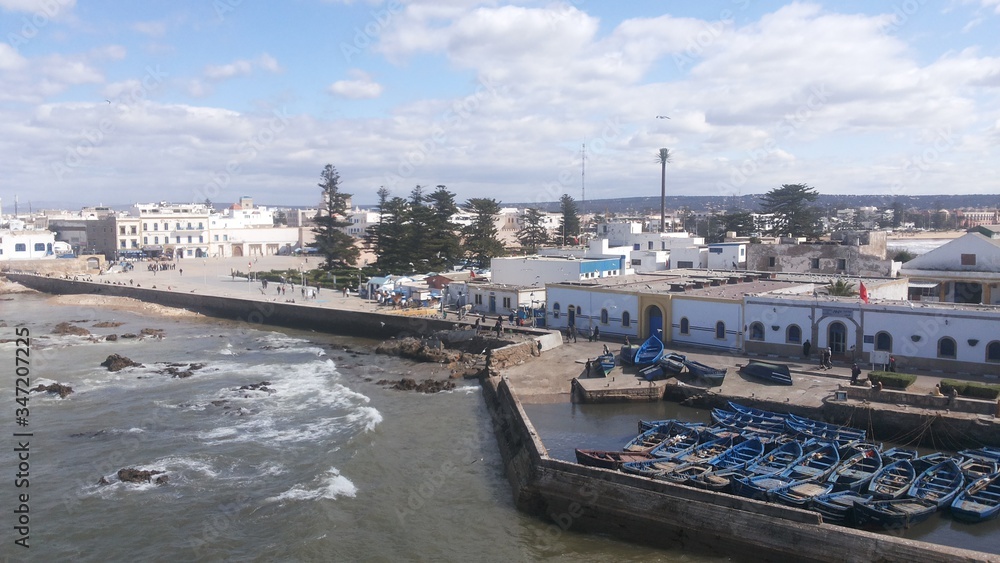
(533, 234)
(392, 232)
(443, 243)
(793, 214)
(333, 243)
(569, 228)
(481, 241)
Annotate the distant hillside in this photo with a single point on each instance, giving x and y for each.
(639, 205)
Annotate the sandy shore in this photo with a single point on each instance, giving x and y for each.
(120, 304)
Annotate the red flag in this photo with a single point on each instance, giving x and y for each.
(864, 293)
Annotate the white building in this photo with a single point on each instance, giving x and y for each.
(539, 270)
(27, 245)
(964, 270)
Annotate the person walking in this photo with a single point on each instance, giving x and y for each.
(597, 333)
(855, 373)
(806, 346)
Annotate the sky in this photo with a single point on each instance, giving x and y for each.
(113, 102)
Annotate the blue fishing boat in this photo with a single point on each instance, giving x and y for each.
(768, 371)
(925, 462)
(712, 377)
(985, 451)
(895, 454)
(645, 425)
(813, 466)
(974, 467)
(627, 354)
(745, 422)
(696, 460)
(892, 480)
(775, 461)
(672, 362)
(808, 428)
(649, 352)
(893, 514)
(979, 501)
(856, 471)
(684, 439)
(838, 507)
(939, 484)
(656, 436)
(607, 362)
(608, 459)
(801, 494)
(778, 418)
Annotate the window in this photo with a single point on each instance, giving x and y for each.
(841, 263)
(685, 326)
(993, 351)
(772, 261)
(132, 230)
(201, 225)
(201, 238)
(635, 246)
(177, 226)
(156, 240)
(506, 302)
(145, 240)
(636, 262)
(756, 331)
(478, 300)
(178, 240)
(685, 264)
(650, 245)
(189, 225)
(815, 264)
(40, 247)
(135, 243)
(555, 310)
(145, 226)
(946, 347)
(793, 334)
(122, 244)
(189, 239)
(121, 230)
(604, 316)
(627, 321)
(720, 330)
(579, 311)
(215, 238)
(156, 226)
(968, 259)
(883, 342)
(20, 247)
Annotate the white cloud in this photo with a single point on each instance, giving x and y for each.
(10, 59)
(222, 72)
(151, 28)
(50, 9)
(361, 86)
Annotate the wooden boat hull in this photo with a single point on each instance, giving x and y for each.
(838, 507)
(649, 352)
(607, 362)
(768, 371)
(608, 459)
(892, 480)
(713, 377)
(856, 471)
(939, 484)
(893, 514)
(672, 363)
(979, 501)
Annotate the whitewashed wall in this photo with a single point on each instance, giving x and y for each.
(592, 302)
(702, 317)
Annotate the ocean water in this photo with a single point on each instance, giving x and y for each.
(323, 465)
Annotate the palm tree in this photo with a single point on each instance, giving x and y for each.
(664, 157)
(840, 288)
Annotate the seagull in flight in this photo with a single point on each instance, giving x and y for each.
(662, 117)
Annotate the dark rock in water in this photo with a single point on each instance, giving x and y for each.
(130, 335)
(107, 324)
(416, 349)
(111, 337)
(116, 362)
(162, 480)
(262, 386)
(133, 475)
(67, 328)
(219, 403)
(104, 481)
(425, 386)
(55, 388)
(154, 332)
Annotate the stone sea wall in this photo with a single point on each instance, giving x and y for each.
(595, 500)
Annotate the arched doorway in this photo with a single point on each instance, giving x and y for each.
(571, 313)
(837, 337)
(237, 250)
(655, 319)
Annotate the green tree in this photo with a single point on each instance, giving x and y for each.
(373, 240)
(481, 241)
(393, 256)
(663, 157)
(569, 224)
(840, 288)
(903, 256)
(443, 243)
(331, 239)
(792, 211)
(533, 234)
(740, 222)
(280, 218)
(417, 225)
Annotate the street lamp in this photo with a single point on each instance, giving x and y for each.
(532, 297)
